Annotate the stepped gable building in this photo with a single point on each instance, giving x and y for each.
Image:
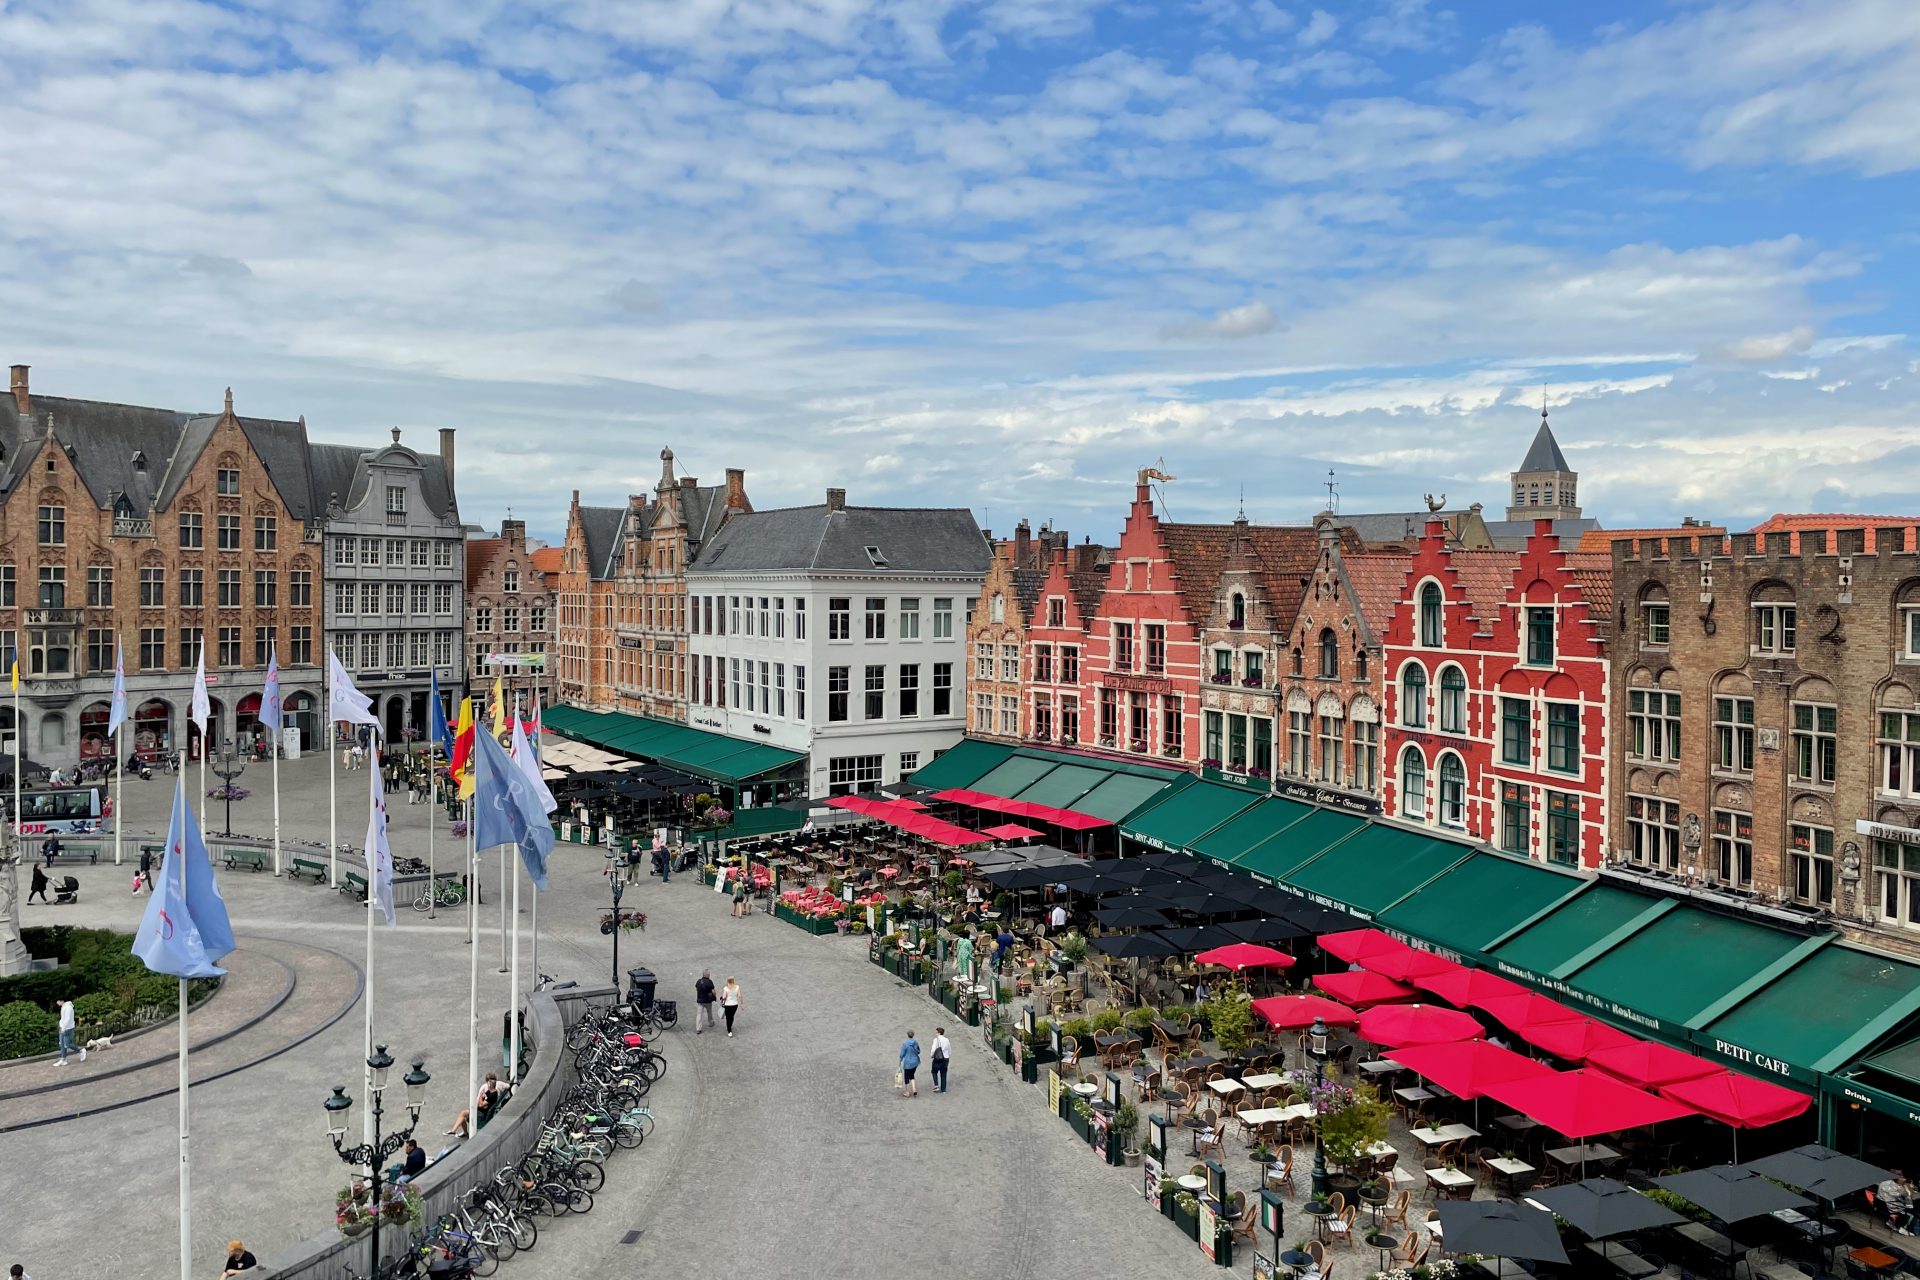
(511, 609)
(997, 631)
(583, 627)
(1057, 630)
(1769, 692)
(1497, 697)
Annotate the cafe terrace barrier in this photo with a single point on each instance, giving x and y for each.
(503, 1142)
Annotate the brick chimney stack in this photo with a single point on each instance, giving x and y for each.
(1023, 545)
(737, 490)
(514, 533)
(446, 455)
(21, 400)
(836, 500)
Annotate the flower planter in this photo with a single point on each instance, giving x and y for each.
(1223, 1246)
(1080, 1125)
(1187, 1222)
(1166, 1203)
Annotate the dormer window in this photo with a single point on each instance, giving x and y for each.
(874, 558)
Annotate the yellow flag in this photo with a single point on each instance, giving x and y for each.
(499, 709)
(461, 766)
(16, 671)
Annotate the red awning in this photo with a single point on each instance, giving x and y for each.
(1741, 1101)
(1293, 1013)
(1647, 1065)
(1468, 1068)
(908, 820)
(1580, 1104)
(1363, 987)
(1467, 987)
(1068, 818)
(1365, 947)
(1575, 1038)
(1397, 1024)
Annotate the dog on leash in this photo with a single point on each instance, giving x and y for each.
(104, 1042)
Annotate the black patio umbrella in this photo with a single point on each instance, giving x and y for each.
(1819, 1171)
(1133, 945)
(1170, 859)
(1206, 904)
(1604, 1207)
(1272, 929)
(1021, 877)
(1203, 938)
(1132, 873)
(1132, 916)
(1149, 900)
(1732, 1193)
(1503, 1228)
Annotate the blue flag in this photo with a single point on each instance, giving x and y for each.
(505, 810)
(185, 928)
(437, 727)
(117, 709)
(270, 696)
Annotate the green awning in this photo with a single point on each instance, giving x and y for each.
(698, 752)
(1376, 868)
(748, 823)
(1122, 794)
(1237, 835)
(1714, 954)
(960, 765)
(1298, 844)
(1831, 1006)
(1902, 1061)
(1479, 900)
(1186, 815)
(1577, 925)
(1063, 786)
(1012, 776)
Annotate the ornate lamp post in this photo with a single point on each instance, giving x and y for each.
(613, 878)
(1317, 1050)
(228, 764)
(374, 1154)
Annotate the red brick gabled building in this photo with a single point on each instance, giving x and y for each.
(1056, 637)
(1497, 704)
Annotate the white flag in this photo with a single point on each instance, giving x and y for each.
(529, 763)
(379, 856)
(202, 709)
(348, 703)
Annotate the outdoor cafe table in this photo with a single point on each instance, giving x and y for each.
(1265, 1080)
(1225, 1088)
(1517, 1122)
(1263, 1115)
(1584, 1152)
(1379, 1067)
(1445, 1133)
(1627, 1263)
(1413, 1093)
(1191, 1182)
(1450, 1179)
(1509, 1168)
(1319, 1211)
(1385, 1244)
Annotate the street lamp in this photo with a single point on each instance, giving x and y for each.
(1317, 1050)
(613, 878)
(228, 764)
(374, 1153)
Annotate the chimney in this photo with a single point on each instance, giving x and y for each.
(836, 500)
(446, 456)
(1022, 545)
(688, 483)
(736, 489)
(513, 532)
(21, 400)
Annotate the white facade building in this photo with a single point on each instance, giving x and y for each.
(838, 631)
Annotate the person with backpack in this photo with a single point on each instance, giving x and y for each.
(703, 1002)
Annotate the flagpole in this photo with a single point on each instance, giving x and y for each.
(119, 787)
(373, 872)
(432, 896)
(333, 818)
(274, 746)
(473, 966)
(186, 1160)
(513, 984)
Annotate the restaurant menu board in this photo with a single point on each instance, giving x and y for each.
(1097, 1124)
(1262, 1266)
(1150, 1182)
(1027, 1020)
(1054, 1086)
(1209, 1227)
(1157, 1136)
(1019, 1050)
(1111, 1090)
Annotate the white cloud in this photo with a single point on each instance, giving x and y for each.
(1796, 341)
(1319, 29)
(1248, 320)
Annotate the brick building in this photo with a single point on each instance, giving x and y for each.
(511, 609)
(583, 595)
(154, 528)
(1056, 630)
(1769, 696)
(997, 632)
(1496, 688)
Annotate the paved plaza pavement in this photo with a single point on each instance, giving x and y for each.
(781, 1152)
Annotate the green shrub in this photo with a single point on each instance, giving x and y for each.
(100, 1013)
(157, 988)
(1141, 1019)
(27, 1029)
(1108, 1020)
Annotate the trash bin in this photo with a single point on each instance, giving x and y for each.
(640, 987)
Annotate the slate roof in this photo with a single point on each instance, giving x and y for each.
(1379, 581)
(1512, 535)
(1027, 585)
(815, 539)
(333, 463)
(1402, 527)
(1544, 453)
(604, 529)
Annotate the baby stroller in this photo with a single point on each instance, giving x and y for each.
(67, 890)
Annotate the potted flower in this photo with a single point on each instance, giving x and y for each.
(1186, 1213)
(1351, 1118)
(1230, 1020)
(1168, 1189)
(1373, 1191)
(1073, 951)
(1126, 1123)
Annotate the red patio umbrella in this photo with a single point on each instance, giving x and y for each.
(1245, 955)
(1295, 1013)
(1415, 963)
(908, 804)
(1647, 1065)
(1574, 1039)
(1737, 1100)
(1365, 947)
(1011, 831)
(1580, 1104)
(1467, 1068)
(1464, 987)
(1363, 987)
(1525, 1009)
(1398, 1024)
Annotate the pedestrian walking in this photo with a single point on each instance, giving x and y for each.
(1002, 945)
(66, 1032)
(730, 1003)
(1058, 919)
(740, 894)
(633, 861)
(38, 889)
(144, 876)
(942, 1051)
(17, 1272)
(909, 1063)
(238, 1259)
(703, 999)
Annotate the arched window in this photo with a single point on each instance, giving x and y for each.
(1239, 618)
(1413, 784)
(1430, 615)
(1296, 661)
(1453, 792)
(1360, 665)
(1453, 701)
(1413, 697)
(1329, 655)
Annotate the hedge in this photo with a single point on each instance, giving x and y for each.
(109, 986)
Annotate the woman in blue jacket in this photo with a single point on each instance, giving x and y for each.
(909, 1063)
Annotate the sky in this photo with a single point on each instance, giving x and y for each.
(995, 253)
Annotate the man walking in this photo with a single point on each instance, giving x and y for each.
(703, 1002)
(942, 1049)
(1058, 919)
(66, 1031)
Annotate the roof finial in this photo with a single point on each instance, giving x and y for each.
(1543, 404)
(1243, 502)
(229, 399)
(396, 435)
(1333, 493)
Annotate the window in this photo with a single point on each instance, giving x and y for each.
(417, 602)
(1900, 754)
(1299, 742)
(53, 526)
(800, 692)
(1123, 646)
(227, 588)
(982, 661)
(1653, 832)
(1814, 743)
(53, 586)
(1733, 848)
(396, 504)
(1173, 728)
(1413, 697)
(7, 585)
(943, 688)
(1516, 817)
(1430, 615)
(483, 617)
(370, 552)
(1563, 828)
(417, 557)
(153, 588)
(1413, 784)
(1332, 748)
(345, 597)
(1056, 611)
(734, 667)
(1329, 655)
(1009, 716)
(99, 586)
(1213, 732)
(263, 638)
(153, 648)
(766, 687)
(848, 774)
(909, 761)
(909, 689)
(1156, 647)
(342, 552)
(536, 614)
(1453, 701)
(300, 645)
(442, 648)
(266, 588)
(396, 649)
(837, 693)
(416, 648)
(443, 604)
(1774, 626)
(443, 554)
(1255, 664)
(1069, 664)
(509, 579)
(1453, 792)
(876, 691)
(227, 482)
(1069, 719)
(300, 588)
(983, 713)
(1733, 734)
(99, 649)
(510, 617)
(191, 534)
(876, 617)
(1896, 868)
(839, 618)
(1223, 666)
(1656, 619)
(746, 615)
(193, 588)
(1812, 852)
(1653, 723)
(1539, 637)
(909, 617)
(1516, 731)
(1043, 717)
(1563, 737)
(1236, 758)
(396, 599)
(1910, 628)
(228, 530)
(1238, 616)
(266, 533)
(943, 617)
(1366, 755)
(190, 639)
(1010, 662)
(1109, 717)
(1043, 663)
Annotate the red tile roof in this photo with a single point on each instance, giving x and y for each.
(481, 553)
(1602, 540)
(1285, 555)
(1593, 572)
(1485, 579)
(1804, 523)
(1379, 580)
(549, 560)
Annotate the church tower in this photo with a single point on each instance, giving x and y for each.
(1544, 488)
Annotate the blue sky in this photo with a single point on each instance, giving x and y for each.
(998, 253)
